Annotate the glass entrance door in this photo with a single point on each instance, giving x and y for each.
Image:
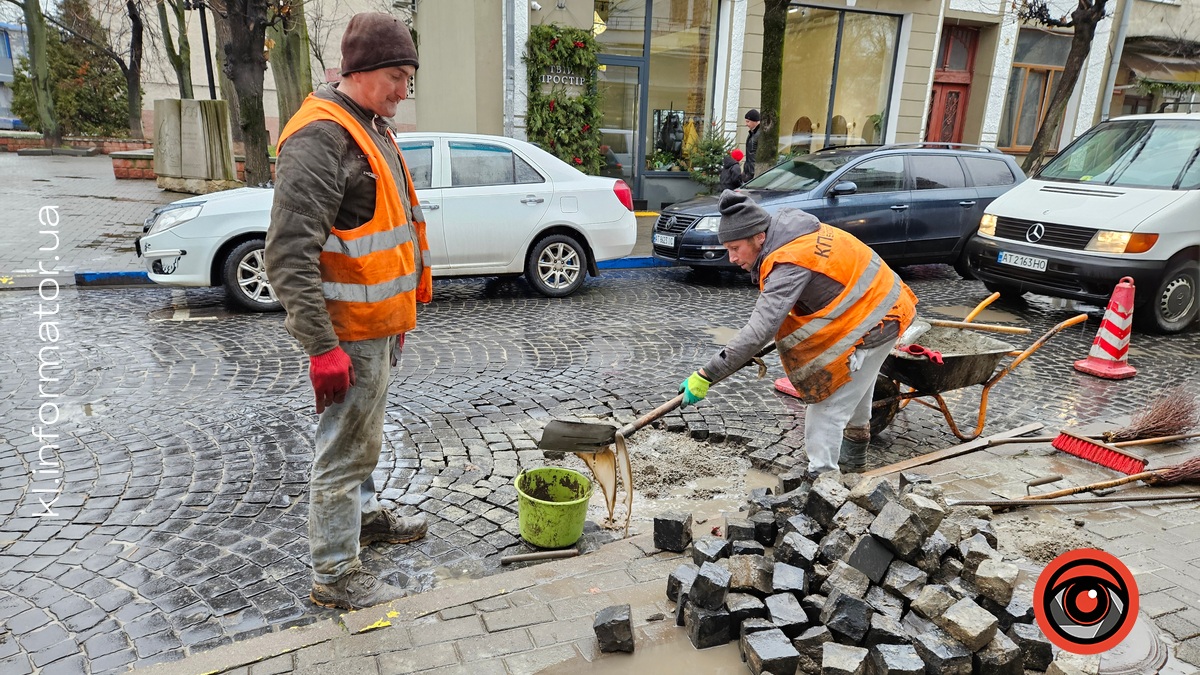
(618, 88)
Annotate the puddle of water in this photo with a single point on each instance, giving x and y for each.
(721, 336)
(671, 653)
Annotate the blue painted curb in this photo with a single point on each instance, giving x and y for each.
(633, 263)
(112, 279)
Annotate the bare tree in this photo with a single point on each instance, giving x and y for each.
(181, 58)
(322, 19)
(1083, 21)
(245, 64)
(76, 21)
(39, 71)
(774, 31)
(290, 60)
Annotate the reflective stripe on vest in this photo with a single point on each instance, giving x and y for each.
(372, 276)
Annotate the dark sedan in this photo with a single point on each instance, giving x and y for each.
(912, 203)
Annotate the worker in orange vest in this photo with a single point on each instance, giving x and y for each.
(835, 310)
(347, 257)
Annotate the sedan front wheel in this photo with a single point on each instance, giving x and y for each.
(245, 278)
(556, 266)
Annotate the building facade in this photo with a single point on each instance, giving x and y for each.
(12, 48)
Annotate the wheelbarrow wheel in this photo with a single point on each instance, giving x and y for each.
(882, 416)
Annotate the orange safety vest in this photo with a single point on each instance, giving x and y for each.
(815, 348)
(369, 274)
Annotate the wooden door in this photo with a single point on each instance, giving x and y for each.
(951, 84)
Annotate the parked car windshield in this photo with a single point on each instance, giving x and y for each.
(800, 174)
(1132, 153)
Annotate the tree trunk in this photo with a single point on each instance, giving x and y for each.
(246, 64)
(228, 91)
(181, 60)
(290, 60)
(133, 73)
(1084, 20)
(39, 73)
(774, 29)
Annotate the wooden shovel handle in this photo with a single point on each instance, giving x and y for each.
(1012, 330)
(1155, 441)
(674, 403)
(1103, 485)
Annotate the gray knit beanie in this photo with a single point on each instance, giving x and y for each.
(741, 217)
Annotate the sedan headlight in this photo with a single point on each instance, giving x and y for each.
(171, 216)
(987, 225)
(708, 224)
(1107, 241)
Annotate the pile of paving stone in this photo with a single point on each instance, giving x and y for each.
(824, 578)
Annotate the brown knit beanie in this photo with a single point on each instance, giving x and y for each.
(375, 40)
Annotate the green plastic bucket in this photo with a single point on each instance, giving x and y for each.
(552, 506)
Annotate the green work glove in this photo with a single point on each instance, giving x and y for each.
(694, 389)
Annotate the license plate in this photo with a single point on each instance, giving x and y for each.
(1022, 261)
(664, 239)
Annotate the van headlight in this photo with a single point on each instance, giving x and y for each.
(708, 224)
(987, 225)
(171, 216)
(1107, 241)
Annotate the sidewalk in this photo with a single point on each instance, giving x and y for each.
(539, 619)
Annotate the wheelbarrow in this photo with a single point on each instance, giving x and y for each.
(968, 359)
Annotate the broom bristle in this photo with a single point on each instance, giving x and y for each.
(1175, 412)
(1185, 472)
(1099, 453)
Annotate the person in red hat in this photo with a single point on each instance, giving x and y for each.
(347, 257)
(731, 171)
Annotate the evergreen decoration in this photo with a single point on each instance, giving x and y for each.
(565, 125)
(706, 159)
(1161, 88)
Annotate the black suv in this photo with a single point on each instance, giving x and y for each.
(913, 203)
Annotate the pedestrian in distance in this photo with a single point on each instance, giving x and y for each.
(752, 119)
(347, 257)
(731, 171)
(835, 310)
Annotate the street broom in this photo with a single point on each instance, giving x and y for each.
(1187, 473)
(1175, 412)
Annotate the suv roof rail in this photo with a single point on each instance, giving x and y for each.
(848, 146)
(939, 145)
(1163, 108)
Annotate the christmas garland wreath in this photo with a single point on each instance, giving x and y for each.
(566, 126)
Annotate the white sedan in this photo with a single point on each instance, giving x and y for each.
(493, 206)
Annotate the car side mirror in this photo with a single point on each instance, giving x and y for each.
(843, 188)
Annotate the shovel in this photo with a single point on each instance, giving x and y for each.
(591, 441)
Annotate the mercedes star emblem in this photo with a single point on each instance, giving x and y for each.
(1035, 233)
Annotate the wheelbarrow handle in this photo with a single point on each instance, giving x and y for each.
(992, 328)
(674, 403)
(981, 306)
(1063, 325)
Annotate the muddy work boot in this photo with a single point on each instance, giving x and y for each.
(356, 589)
(853, 454)
(393, 529)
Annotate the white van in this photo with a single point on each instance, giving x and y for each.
(1121, 200)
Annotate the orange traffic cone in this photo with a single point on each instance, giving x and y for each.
(1107, 358)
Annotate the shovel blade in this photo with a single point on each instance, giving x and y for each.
(576, 436)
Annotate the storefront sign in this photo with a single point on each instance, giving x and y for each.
(561, 76)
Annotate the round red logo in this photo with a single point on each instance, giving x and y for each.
(1086, 601)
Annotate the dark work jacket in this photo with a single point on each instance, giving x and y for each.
(751, 150)
(731, 175)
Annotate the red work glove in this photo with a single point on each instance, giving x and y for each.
(399, 348)
(332, 375)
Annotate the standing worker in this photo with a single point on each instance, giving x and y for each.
(752, 118)
(347, 258)
(835, 310)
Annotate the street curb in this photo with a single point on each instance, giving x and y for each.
(633, 263)
(112, 279)
(401, 612)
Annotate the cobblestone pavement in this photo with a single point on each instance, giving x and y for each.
(98, 215)
(185, 437)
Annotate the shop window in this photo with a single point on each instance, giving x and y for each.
(1136, 105)
(682, 45)
(1037, 64)
(860, 48)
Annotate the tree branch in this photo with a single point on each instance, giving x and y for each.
(18, 3)
(102, 47)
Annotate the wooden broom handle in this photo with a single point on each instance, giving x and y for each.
(1155, 441)
(1011, 330)
(1103, 485)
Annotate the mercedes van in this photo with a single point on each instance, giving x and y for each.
(1121, 200)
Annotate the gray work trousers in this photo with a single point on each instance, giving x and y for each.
(349, 438)
(850, 405)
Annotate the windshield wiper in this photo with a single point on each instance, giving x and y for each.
(1186, 165)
